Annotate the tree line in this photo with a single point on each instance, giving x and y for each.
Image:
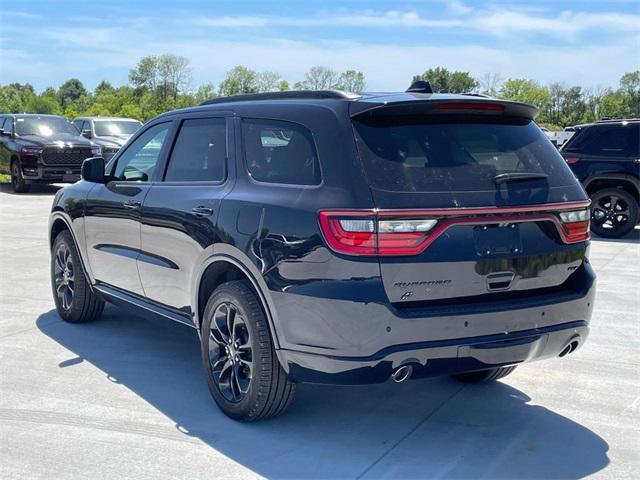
(163, 82)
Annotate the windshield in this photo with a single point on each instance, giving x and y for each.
(454, 153)
(44, 126)
(115, 127)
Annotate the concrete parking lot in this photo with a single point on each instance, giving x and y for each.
(124, 397)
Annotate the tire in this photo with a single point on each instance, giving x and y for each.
(244, 377)
(614, 212)
(484, 376)
(17, 180)
(75, 300)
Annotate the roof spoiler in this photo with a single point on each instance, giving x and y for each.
(456, 106)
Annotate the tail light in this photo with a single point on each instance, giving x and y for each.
(410, 232)
(363, 233)
(571, 160)
(576, 225)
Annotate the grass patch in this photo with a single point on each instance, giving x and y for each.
(5, 178)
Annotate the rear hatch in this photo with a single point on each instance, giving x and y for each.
(472, 202)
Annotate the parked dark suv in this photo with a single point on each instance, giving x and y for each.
(605, 156)
(108, 132)
(41, 149)
(331, 238)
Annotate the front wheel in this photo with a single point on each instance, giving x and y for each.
(239, 360)
(484, 376)
(72, 294)
(17, 179)
(614, 212)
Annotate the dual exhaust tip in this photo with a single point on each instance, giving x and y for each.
(404, 372)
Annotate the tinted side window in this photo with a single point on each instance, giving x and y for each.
(280, 152)
(200, 151)
(6, 124)
(609, 141)
(139, 160)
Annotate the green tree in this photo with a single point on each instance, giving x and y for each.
(173, 74)
(442, 80)
(144, 76)
(630, 86)
(103, 87)
(70, 91)
(352, 81)
(283, 86)
(239, 80)
(318, 78)
(43, 104)
(268, 81)
(205, 92)
(527, 91)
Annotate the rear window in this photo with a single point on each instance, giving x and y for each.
(410, 154)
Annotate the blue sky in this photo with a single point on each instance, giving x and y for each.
(586, 42)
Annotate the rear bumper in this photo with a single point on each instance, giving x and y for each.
(53, 173)
(363, 342)
(438, 357)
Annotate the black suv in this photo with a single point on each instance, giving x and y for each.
(605, 156)
(330, 238)
(41, 148)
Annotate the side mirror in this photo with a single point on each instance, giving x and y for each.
(87, 133)
(93, 170)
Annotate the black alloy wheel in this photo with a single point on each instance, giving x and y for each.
(613, 213)
(64, 276)
(240, 362)
(230, 353)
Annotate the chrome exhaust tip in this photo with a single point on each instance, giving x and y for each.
(569, 348)
(402, 373)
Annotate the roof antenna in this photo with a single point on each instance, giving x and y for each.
(420, 86)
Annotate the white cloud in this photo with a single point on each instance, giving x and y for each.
(495, 22)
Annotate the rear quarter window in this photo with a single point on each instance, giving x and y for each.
(280, 152)
(450, 153)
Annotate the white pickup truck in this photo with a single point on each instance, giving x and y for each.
(561, 137)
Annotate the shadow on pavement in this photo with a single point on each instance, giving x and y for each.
(632, 237)
(35, 190)
(442, 428)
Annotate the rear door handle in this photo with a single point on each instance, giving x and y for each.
(132, 204)
(202, 211)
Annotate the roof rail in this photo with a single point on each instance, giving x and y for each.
(606, 120)
(292, 94)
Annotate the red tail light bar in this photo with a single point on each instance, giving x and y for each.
(409, 232)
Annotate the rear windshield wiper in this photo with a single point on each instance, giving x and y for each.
(518, 176)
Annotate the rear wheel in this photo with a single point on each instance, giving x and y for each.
(483, 376)
(72, 294)
(239, 360)
(613, 212)
(17, 180)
